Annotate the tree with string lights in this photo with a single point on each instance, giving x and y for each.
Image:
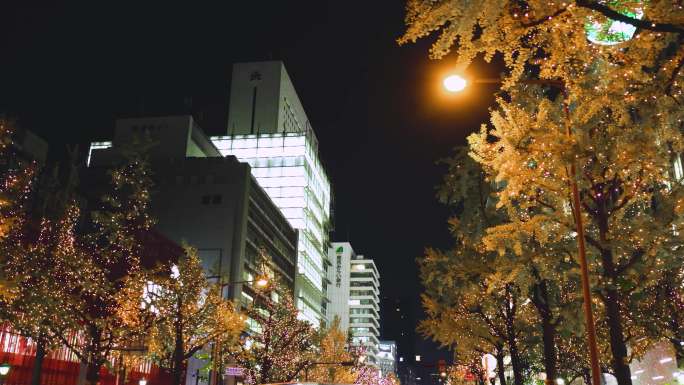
(618, 95)
(45, 216)
(189, 314)
(333, 347)
(102, 266)
(662, 314)
(279, 346)
(470, 305)
(16, 184)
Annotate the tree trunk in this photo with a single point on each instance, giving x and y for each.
(679, 352)
(82, 371)
(500, 367)
(179, 348)
(93, 373)
(515, 361)
(38, 363)
(541, 303)
(611, 300)
(549, 339)
(178, 363)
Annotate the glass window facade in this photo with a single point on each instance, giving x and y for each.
(287, 167)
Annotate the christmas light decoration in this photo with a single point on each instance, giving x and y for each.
(190, 315)
(622, 106)
(282, 345)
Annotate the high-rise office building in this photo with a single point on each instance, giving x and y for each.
(269, 130)
(355, 297)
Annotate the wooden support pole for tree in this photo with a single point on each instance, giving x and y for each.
(582, 256)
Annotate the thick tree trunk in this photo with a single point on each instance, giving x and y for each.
(93, 373)
(611, 300)
(541, 303)
(515, 362)
(38, 363)
(178, 364)
(549, 339)
(500, 367)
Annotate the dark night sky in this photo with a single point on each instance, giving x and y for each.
(68, 70)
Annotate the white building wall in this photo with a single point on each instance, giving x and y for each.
(340, 254)
(356, 301)
(269, 129)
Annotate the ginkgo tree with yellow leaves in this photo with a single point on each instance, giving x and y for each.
(619, 98)
(334, 349)
(190, 315)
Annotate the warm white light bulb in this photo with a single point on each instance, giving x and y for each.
(455, 83)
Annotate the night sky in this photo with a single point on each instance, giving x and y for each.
(68, 70)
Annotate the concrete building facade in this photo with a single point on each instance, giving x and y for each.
(211, 202)
(355, 297)
(268, 129)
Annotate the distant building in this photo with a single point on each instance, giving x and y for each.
(355, 297)
(25, 146)
(211, 202)
(268, 129)
(387, 357)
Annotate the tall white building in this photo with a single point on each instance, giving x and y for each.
(355, 297)
(268, 128)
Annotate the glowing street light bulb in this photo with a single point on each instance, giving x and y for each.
(262, 282)
(4, 369)
(454, 83)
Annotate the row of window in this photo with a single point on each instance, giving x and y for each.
(358, 293)
(361, 311)
(215, 199)
(362, 320)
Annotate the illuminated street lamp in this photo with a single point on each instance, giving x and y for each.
(142, 381)
(453, 84)
(4, 371)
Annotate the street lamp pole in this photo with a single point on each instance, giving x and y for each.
(577, 213)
